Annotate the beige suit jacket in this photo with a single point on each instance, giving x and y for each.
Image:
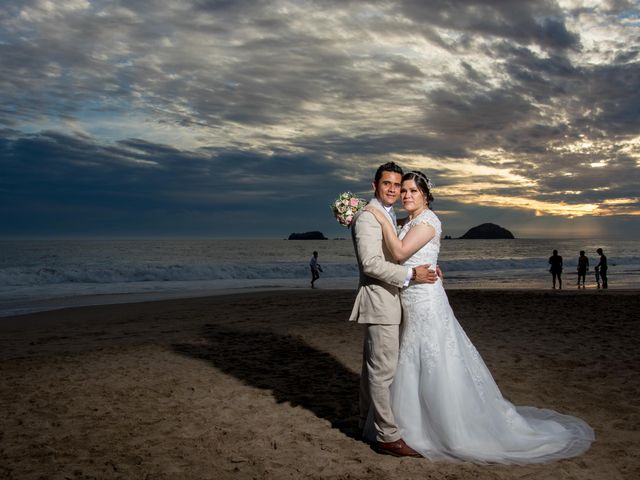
(378, 298)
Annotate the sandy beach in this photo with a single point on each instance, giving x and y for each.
(264, 385)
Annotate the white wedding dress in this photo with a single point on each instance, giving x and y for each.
(445, 400)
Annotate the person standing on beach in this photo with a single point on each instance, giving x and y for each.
(602, 268)
(583, 266)
(315, 269)
(555, 261)
(377, 306)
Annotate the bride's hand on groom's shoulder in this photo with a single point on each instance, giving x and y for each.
(376, 213)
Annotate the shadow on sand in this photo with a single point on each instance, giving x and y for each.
(291, 369)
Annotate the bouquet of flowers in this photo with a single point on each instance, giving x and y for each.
(346, 206)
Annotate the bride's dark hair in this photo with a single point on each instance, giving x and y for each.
(422, 182)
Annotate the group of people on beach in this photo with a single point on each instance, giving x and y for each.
(555, 262)
(424, 389)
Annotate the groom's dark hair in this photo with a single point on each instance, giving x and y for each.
(387, 167)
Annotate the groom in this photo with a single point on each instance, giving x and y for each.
(378, 306)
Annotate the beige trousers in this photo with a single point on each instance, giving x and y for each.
(379, 363)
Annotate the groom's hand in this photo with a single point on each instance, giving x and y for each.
(424, 275)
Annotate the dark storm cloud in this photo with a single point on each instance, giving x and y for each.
(383, 144)
(74, 177)
(135, 187)
(267, 100)
(537, 22)
(477, 113)
(133, 165)
(600, 99)
(600, 102)
(252, 67)
(264, 76)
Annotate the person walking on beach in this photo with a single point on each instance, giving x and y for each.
(315, 269)
(602, 268)
(377, 306)
(555, 261)
(583, 266)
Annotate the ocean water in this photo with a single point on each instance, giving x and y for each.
(47, 274)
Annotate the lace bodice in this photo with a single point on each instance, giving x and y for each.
(429, 252)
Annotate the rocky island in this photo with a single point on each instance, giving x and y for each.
(488, 231)
(315, 235)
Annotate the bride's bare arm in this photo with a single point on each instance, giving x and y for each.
(417, 237)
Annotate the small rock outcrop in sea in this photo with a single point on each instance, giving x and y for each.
(308, 236)
(488, 231)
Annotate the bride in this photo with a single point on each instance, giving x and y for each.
(443, 396)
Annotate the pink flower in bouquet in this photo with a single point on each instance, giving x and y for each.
(346, 206)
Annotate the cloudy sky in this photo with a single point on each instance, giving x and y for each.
(232, 118)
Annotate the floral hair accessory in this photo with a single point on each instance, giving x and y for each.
(430, 185)
(346, 206)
